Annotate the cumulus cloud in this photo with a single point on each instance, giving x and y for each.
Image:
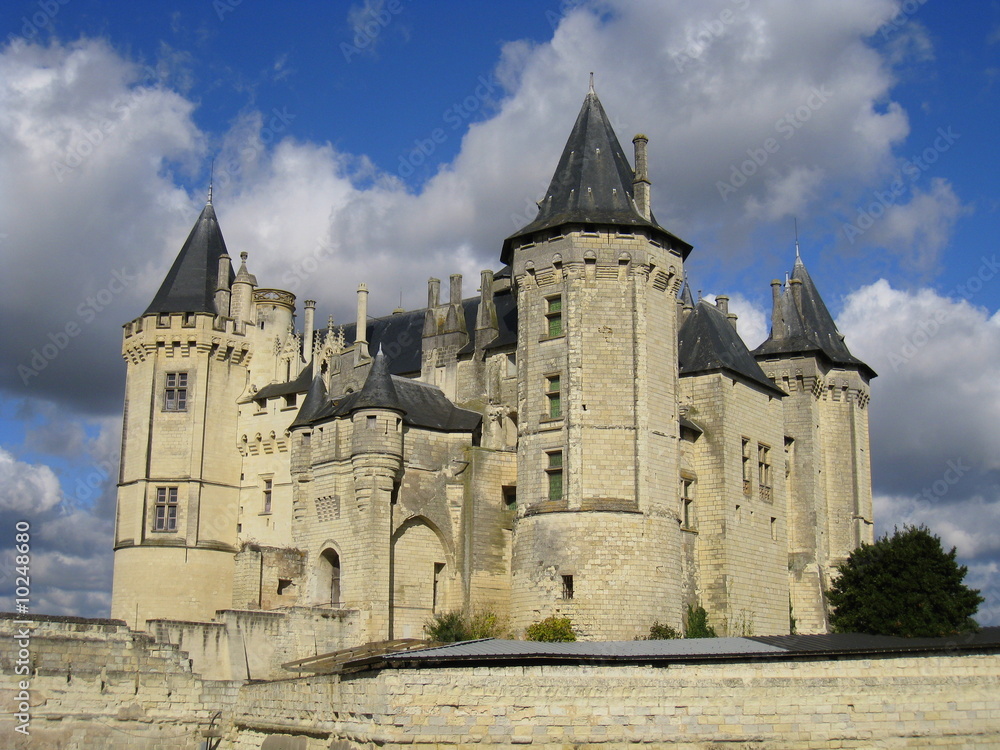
(925, 410)
(26, 488)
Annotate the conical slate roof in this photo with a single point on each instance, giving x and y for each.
(191, 281)
(708, 342)
(686, 298)
(804, 324)
(592, 183)
(314, 401)
(378, 391)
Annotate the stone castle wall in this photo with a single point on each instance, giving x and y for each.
(794, 704)
(97, 684)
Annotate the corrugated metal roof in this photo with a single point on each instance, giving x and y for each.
(694, 649)
(596, 650)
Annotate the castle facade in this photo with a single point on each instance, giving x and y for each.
(580, 438)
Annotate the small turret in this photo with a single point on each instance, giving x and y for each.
(242, 293)
(377, 415)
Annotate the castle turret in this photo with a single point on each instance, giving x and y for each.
(377, 459)
(175, 535)
(828, 465)
(597, 536)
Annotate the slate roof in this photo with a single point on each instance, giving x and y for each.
(191, 281)
(401, 335)
(424, 405)
(313, 404)
(378, 392)
(592, 183)
(299, 384)
(808, 327)
(708, 342)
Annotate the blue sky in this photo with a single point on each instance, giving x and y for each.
(391, 141)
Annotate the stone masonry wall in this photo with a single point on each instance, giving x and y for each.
(96, 684)
(919, 702)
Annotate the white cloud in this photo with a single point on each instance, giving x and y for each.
(26, 488)
(936, 397)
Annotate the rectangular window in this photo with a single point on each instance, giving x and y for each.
(746, 466)
(555, 473)
(372, 422)
(175, 392)
(509, 497)
(165, 510)
(553, 395)
(553, 316)
(763, 465)
(774, 528)
(687, 504)
(436, 594)
(268, 486)
(290, 400)
(567, 587)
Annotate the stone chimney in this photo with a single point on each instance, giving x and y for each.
(307, 341)
(361, 329)
(640, 183)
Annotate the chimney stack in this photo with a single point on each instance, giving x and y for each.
(777, 327)
(307, 341)
(361, 329)
(640, 183)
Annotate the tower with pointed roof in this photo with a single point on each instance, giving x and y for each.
(183, 476)
(597, 536)
(826, 446)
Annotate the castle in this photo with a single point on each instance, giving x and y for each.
(581, 438)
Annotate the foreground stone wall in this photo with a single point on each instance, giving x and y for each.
(253, 644)
(97, 684)
(921, 701)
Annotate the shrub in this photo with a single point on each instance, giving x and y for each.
(696, 624)
(449, 627)
(661, 632)
(551, 630)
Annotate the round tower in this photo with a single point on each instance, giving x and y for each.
(178, 490)
(597, 535)
(377, 461)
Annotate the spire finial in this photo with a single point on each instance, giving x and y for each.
(592, 83)
(211, 180)
(796, 221)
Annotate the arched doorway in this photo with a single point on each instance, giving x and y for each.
(328, 579)
(420, 578)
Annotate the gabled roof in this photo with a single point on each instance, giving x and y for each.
(708, 342)
(592, 183)
(803, 325)
(191, 281)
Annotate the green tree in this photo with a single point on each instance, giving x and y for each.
(696, 623)
(551, 629)
(903, 585)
